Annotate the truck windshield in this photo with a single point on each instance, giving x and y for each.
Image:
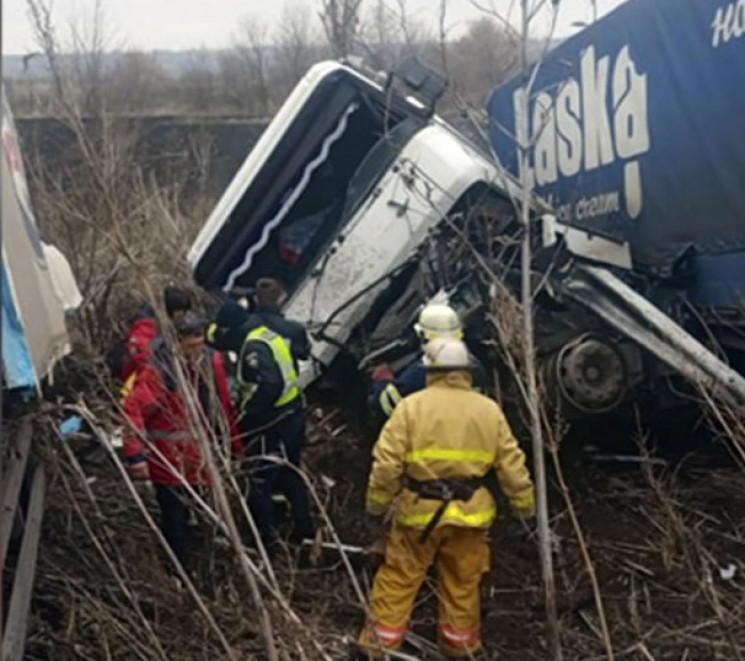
(304, 208)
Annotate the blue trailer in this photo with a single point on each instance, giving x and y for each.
(636, 130)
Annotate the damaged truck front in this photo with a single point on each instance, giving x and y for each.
(366, 205)
(352, 197)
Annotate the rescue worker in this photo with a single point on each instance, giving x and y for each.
(269, 295)
(144, 329)
(161, 441)
(432, 463)
(268, 298)
(435, 320)
(271, 418)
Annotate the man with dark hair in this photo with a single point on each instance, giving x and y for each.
(162, 443)
(271, 416)
(176, 301)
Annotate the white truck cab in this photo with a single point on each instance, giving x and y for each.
(338, 199)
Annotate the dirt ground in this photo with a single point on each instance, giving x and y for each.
(667, 542)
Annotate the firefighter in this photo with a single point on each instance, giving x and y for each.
(431, 467)
(435, 320)
(271, 418)
(161, 443)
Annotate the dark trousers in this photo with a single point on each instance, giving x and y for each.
(285, 438)
(173, 501)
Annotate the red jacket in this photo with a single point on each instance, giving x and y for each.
(143, 331)
(158, 412)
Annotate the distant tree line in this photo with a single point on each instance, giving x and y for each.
(253, 76)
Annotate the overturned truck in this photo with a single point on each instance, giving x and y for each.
(366, 204)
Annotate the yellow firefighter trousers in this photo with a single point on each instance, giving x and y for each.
(461, 556)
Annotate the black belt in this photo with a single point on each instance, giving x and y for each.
(445, 490)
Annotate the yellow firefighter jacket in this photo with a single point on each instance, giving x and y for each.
(447, 431)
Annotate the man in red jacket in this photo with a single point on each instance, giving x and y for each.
(163, 440)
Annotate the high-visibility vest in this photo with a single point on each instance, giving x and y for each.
(389, 399)
(282, 355)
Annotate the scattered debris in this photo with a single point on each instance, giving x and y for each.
(637, 567)
(328, 482)
(70, 426)
(338, 431)
(727, 572)
(345, 548)
(625, 523)
(627, 458)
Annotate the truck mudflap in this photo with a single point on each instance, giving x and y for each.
(636, 317)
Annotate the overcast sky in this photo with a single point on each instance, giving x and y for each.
(184, 24)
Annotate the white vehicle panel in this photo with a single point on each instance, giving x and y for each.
(433, 171)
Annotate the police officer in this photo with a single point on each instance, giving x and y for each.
(269, 295)
(272, 417)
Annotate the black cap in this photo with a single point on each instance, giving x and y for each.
(231, 315)
(176, 299)
(190, 324)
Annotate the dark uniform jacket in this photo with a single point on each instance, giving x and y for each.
(413, 378)
(293, 331)
(257, 365)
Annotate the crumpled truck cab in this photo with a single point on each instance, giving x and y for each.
(340, 199)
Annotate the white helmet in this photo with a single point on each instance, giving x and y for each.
(446, 353)
(438, 321)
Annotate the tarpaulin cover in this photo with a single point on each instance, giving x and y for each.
(33, 315)
(18, 369)
(637, 127)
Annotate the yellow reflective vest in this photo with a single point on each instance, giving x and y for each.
(282, 356)
(447, 431)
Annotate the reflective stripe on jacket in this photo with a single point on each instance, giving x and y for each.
(447, 431)
(412, 379)
(283, 359)
(162, 430)
(389, 398)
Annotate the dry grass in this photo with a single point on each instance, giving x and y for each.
(658, 538)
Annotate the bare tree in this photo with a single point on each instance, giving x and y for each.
(93, 197)
(533, 397)
(77, 71)
(381, 35)
(389, 34)
(340, 19)
(90, 39)
(529, 9)
(297, 45)
(252, 54)
(136, 82)
(480, 59)
(199, 82)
